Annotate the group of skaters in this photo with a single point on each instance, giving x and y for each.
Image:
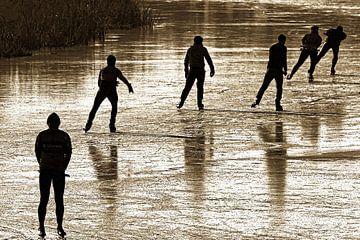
(277, 65)
(53, 146)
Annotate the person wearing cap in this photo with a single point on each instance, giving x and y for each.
(53, 152)
(195, 58)
(107, 83)
(334, 38)
(310, 44)
(276, 68)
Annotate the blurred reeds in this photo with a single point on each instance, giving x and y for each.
(27, 25)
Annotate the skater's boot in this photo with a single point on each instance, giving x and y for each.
(61, 232)
(201, 107)
(180, 104)
(112, 127)
(42, 232)
(332, 73)
(257, 102)
(87, 126)
(279, 108)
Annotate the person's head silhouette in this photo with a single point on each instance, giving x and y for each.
(314, 29)
(111, 60)
(198, 40)
(53, 121)
(340, 28)
(282, 39)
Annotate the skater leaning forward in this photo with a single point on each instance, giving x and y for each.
(310, 43)
(107, 83)
(276, 68)
(195, 58)
(53, 152)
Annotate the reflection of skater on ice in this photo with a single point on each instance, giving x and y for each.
(195, 58)
(107, 83)
(276, 68)
(53, 153)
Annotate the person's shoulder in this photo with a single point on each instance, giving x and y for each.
(63, 133)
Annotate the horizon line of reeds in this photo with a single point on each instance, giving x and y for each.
(35, 24)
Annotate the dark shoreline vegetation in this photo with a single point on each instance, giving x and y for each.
(28, 25)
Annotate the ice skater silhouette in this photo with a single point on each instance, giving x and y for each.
(334, 38)
(107, 83)
(276, 68)
(195, 58)
(310, 44)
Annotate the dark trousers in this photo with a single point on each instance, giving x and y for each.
(325, 49)
(303, 56)
(269, 76)
(199, 74)
(99, 98)
(58, 181)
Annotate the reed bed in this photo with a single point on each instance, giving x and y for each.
(27, 25)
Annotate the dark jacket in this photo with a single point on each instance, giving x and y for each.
(334, 37)
(53, 150)
(108, 78)
(195, 57)
(311, 41)
(277, 57)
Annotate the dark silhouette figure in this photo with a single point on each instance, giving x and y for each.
(276, 68)
(107, 83)
(195, 58)
(310, 44)
(334, 38)
(53, 152)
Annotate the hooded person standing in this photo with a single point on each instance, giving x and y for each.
(334, 38)
(310, 44)
(195, 58)
(53, 152)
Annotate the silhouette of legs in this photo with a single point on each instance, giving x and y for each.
(99, 98)
(303, 56)
(269, 76)
(195, 73)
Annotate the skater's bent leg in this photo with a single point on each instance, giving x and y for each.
(99, 98)
(267, 80)
(303, 56)
(323, 51)
(189, 83)
(59, 187)
(45, 183)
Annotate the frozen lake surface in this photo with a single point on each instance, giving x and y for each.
(229, 172)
